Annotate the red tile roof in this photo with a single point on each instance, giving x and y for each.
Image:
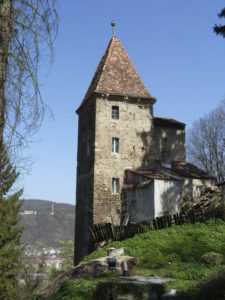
(116, 75)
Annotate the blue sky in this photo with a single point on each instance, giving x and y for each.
(174, 49)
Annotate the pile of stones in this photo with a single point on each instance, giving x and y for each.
(210, 200)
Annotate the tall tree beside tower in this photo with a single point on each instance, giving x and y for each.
(27, 31)
(220, 29)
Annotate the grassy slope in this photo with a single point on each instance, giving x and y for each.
(173, 252)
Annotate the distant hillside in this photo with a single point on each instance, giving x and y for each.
(44, 228)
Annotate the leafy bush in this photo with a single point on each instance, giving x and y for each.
(210, 287)
(212, 258)
(74, 290)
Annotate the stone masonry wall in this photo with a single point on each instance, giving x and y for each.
(134, 130)
(85, 180)
(175, 142)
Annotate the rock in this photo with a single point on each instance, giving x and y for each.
(172, 294)
(115, 251)
(94, 268)
(112, 262)
(124, 297)
(128, 266)
(209, 201)
(137, 287)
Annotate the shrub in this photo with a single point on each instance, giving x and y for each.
(211, 287)
(212, 258)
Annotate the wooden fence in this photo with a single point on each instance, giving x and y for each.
(108, 232)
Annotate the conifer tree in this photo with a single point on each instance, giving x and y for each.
(10, 232)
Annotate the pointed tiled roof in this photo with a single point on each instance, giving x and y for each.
(116, 75)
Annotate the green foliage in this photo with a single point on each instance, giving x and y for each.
(210, 287)
(212, 258)
(36, 296)
(67, 254)
(10, 233)
(111, 289)
(54, 273)
(80, 289)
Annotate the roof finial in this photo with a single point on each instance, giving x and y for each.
(113, 24)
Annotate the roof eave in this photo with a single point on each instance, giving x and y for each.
(152, 99)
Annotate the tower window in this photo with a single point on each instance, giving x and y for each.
(115, 185)
(115, 112)
(115, 145)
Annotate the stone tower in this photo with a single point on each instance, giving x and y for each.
(115, 133)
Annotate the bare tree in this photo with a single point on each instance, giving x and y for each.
(206, 142)
(220, 29)
(28, 29)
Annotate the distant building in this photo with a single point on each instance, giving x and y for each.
(57, 263)
(52, 212)
(130, 165)
(28, 212)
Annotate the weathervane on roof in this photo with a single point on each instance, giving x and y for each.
(113, 24)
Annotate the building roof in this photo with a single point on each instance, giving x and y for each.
(138, 185)
(116, 75)
(151, 174)
(186, 169)
(183, 169)
(175, 171)
(160, 121)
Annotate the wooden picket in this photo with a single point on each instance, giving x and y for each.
(109, 232)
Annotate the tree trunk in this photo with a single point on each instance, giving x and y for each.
(5, 26)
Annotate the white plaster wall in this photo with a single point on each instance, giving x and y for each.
(167, 196)
(140, 203)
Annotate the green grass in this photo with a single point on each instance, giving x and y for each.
(81, 289)
(173, 252)
(210, 287)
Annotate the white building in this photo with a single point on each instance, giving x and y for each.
(28, 212)
(158, 191)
